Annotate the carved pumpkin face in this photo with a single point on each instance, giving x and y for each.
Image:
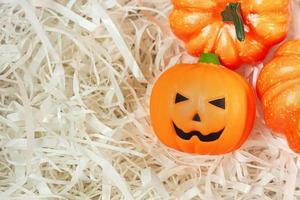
(202, 108)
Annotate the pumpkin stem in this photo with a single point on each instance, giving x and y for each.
(232, 13)
(209, 58)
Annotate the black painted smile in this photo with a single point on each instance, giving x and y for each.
(204, 138)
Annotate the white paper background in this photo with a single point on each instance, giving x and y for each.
(75, 80)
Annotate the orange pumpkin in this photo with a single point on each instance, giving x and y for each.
(202, 108)
(239, 31)
(278, 87)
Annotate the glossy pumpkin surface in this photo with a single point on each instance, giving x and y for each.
(202, 108)
(278, 87)
(203, 28)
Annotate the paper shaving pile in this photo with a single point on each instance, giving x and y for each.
(75, 81)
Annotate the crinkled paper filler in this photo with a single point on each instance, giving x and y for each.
(75, 81)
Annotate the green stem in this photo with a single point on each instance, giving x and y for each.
(232, 13)
(209, 58)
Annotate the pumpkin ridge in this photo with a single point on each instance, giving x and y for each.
(187, 33)
(227, 57)
(285, 110)
(196, 34)
(280, 77)
(206, 4)
(281, 19)
(210, 42)
(293, 136)
(289, 48)
(279, 87)
(277, 10)
(254, 7)
(193, 9)
(283, 115)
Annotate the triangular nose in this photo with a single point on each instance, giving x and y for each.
(197, 118)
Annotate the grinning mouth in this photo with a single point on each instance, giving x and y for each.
(204, 138)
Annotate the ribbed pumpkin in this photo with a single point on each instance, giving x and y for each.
(278, 87)
(202, 108)
(239, 31)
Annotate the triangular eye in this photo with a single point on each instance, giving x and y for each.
(219, 103)
(180, 98)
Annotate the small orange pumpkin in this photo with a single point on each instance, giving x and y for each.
(239, 31)
(278, 87)
(202, 108)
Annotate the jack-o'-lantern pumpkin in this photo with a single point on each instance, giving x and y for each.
(202, 108)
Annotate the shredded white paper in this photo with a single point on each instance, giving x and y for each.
(75, 82)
